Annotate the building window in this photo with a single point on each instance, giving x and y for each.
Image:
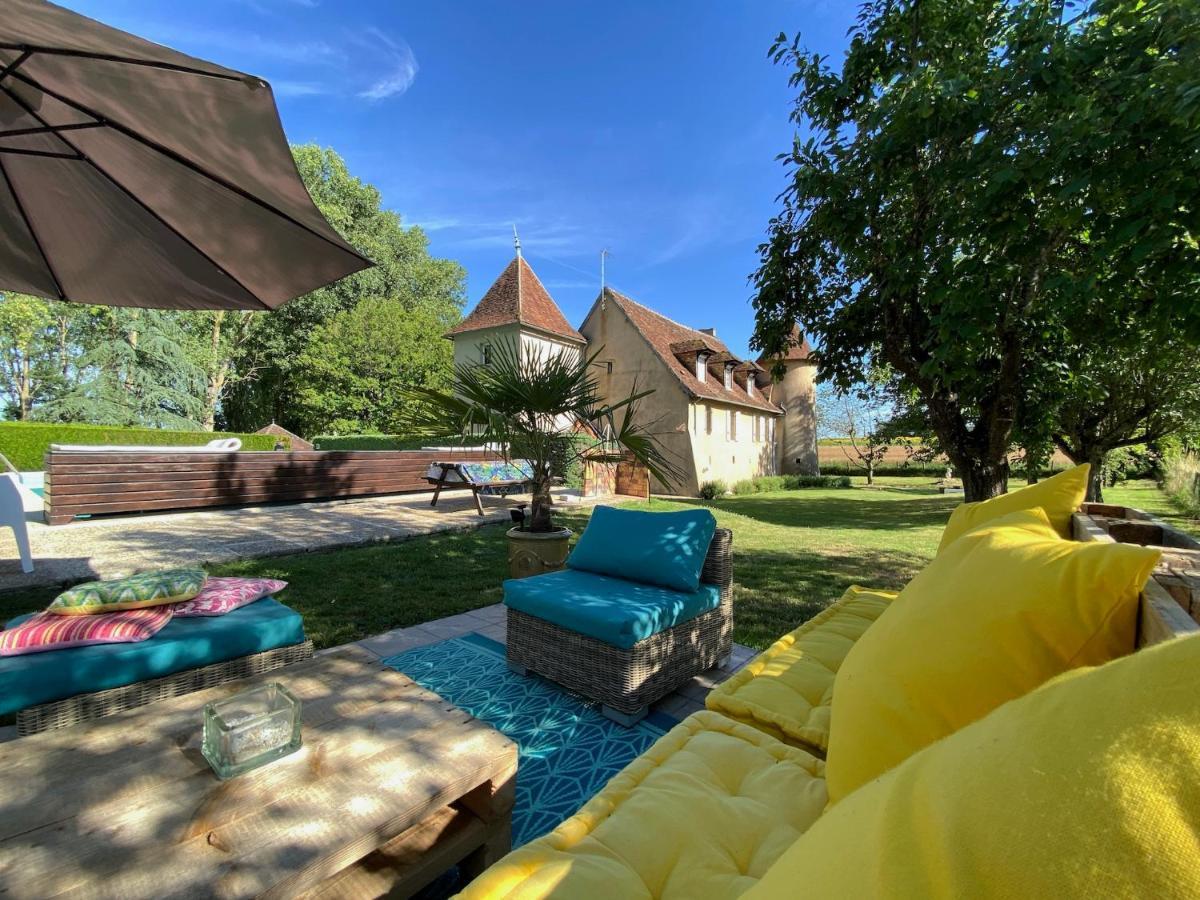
(708, 420)
(729, 378)
(701, 367)
(733, 424)
(485, 354)
(609, 365)
(757, 428)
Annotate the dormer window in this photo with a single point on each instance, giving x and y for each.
(702, 366)
(750, 384)
(729, 377)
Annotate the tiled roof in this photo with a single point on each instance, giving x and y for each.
(518, 297)
(798, 349)
(664, 335)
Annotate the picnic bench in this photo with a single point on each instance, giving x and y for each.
(494, 477)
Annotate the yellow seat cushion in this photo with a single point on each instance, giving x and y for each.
(1003, 609)
(1059, 495)
(1088, 787)
(786, 690)
(703, 813)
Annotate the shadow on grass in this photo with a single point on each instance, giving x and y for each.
(776, 591)
(853, 512)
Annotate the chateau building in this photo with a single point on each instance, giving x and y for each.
(721, 418)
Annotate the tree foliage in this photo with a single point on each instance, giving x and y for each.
(352, 375)
(404, 274)
(983, 181)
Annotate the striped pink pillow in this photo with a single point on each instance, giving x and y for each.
(225, 594)
(46, 631)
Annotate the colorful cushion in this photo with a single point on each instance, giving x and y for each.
(182, 644)
(46, 631)
(612, 610)
(1059, 495)
(134, 592)
(1085, 788)
(703, 813)
(221, 595)
(787, 690)
(997, 613)
(666, 549)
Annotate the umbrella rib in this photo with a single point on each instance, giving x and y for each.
(182, 160)
(12, 189)
(29, 49)
(15, 64)
(138, 200)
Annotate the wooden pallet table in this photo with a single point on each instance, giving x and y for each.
(392, 786)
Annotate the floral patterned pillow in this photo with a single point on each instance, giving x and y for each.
(47, 631)
(134, 592)
(222, 595)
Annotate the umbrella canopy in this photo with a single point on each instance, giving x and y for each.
(133, 175)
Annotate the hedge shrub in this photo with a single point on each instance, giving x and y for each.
(366, 442)
(765, 483)
(711, 490)
(26, 443)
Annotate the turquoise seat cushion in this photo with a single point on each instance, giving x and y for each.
(666, 549)
(612, 610)
(182, 644)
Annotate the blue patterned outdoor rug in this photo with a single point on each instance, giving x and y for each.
(568, 751)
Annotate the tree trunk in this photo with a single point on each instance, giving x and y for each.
(1095, 489)
(982, 481)
(870, 471)
(543, 503)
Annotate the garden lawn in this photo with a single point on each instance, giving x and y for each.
(795, 552)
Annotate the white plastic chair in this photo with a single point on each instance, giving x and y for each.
(12, 515)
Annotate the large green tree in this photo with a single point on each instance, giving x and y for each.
(404, 274)
(1139, 388)
(352, 376)
(134, 369)
(980, 183)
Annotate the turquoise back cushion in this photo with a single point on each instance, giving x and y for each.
(666, 549)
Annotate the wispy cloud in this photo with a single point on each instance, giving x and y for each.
(300, 88)
(401, 69)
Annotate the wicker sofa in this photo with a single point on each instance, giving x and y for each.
(626, 680)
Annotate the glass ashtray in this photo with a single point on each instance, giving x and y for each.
(251, 729)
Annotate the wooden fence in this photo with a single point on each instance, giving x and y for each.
(100, 482)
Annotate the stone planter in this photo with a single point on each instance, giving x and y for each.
(535, 553)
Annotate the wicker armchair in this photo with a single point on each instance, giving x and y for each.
(626, 682)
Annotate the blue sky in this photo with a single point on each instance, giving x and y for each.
(647, 128)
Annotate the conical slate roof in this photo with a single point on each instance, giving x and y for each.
(517, 297)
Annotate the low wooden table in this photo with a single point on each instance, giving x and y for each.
(392, 787)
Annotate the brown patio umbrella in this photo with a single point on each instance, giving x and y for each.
(133, 175)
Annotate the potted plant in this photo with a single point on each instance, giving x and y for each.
(543, 408)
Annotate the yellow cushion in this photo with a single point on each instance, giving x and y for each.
(1089, 787)
(786, 690)
(702, 813)
(1059, 495)
(1000, 611)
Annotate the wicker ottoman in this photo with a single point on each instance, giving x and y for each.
(627, 681)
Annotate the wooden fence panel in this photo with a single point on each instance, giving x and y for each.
(100, 482)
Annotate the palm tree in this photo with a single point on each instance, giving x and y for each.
(541, 407)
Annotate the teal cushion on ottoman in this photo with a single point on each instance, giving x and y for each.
(666, 549)
(182, 644)
(612, 610)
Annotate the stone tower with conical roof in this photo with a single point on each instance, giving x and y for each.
(796, 393)
(517, 310)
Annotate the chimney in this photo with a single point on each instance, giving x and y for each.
(709, 331)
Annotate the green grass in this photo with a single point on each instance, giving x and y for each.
(794, 553)
(1145, 495)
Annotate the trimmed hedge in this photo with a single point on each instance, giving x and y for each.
(366, 442)
(765, 483)
(26, 443)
